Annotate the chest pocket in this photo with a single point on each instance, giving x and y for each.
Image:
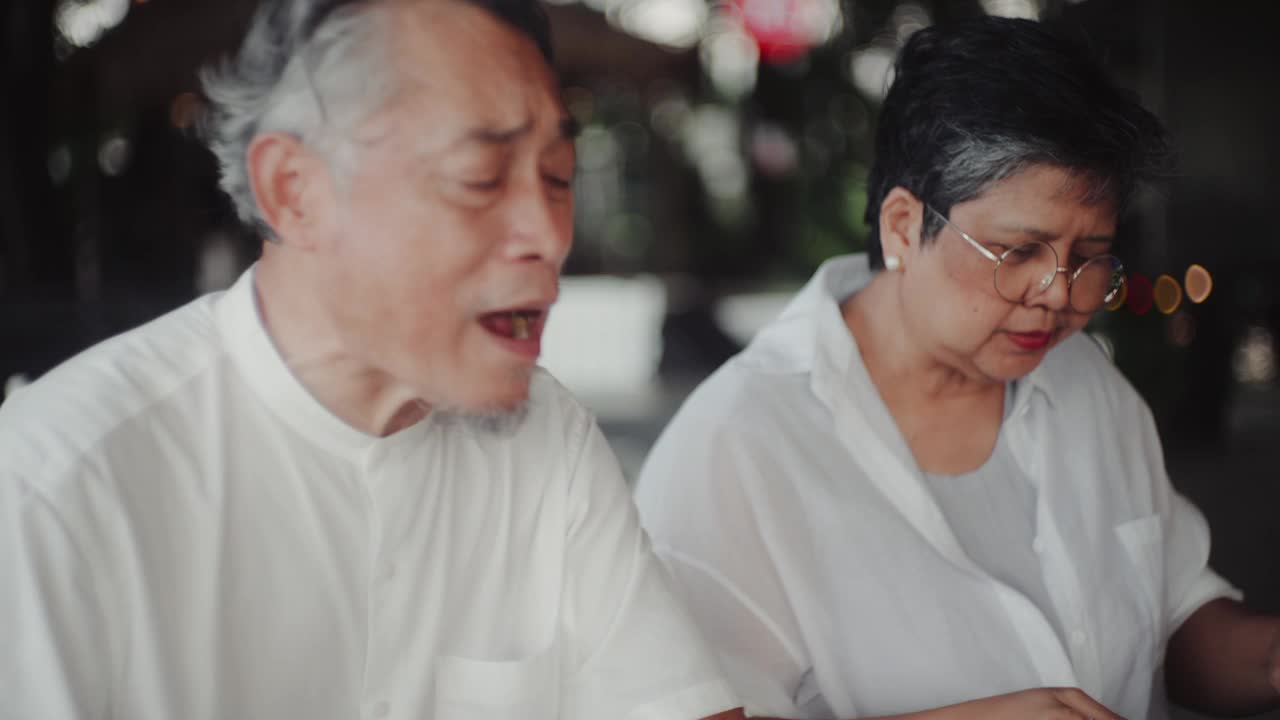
(468, 689)
(1143, 543)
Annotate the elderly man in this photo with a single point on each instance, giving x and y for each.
(342, 489)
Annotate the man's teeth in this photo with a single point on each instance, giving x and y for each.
(520, 326)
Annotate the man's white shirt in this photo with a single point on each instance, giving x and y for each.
(186, 533)
(823, 571)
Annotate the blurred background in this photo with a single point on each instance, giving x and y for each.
(724, 155)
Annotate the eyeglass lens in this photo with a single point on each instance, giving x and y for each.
(1028, 270)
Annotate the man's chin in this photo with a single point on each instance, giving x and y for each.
(498, 417)
(498, 404)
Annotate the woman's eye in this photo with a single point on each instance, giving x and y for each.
(560, 183)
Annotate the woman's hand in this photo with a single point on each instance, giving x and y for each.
(1038, 704)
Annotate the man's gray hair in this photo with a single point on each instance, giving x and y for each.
(310, 68)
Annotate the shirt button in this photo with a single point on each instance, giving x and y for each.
(381, 708)
(1037, 545)
(1077, 637)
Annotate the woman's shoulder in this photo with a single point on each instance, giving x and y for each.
(1081, 369)
(740, 397)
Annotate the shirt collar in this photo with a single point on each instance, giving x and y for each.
(240, 322)
(810, 334)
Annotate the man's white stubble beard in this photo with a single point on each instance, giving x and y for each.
(498, 418)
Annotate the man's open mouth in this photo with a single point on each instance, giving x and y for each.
(523, 324)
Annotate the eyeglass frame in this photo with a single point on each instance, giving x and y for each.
(1044, 284)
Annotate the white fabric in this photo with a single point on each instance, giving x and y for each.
(823, 571)
(992, 511)
(186, 533)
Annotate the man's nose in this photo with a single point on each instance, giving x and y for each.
(541, 222)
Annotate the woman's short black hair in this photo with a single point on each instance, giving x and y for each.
(975, 102)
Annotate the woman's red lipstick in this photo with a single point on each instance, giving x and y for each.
(1031, 340)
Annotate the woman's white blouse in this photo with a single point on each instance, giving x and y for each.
(822, 569)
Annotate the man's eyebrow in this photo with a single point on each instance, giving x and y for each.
(569, 129)
(494, 136)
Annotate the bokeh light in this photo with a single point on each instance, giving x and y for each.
(729, 56)
(114, 155)
(1199, 284)
(1140, 294)
(1254, 360)
(1181, 329)
(82, 23)
(1167, 294)
(871, 70)
(1024, 9)
(672, 23)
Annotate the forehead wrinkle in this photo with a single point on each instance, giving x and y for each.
(429, 41)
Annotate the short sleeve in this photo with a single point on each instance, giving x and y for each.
(55, 663)
(748, 643)
(633, 650)
(1189, 582)
(698, 498)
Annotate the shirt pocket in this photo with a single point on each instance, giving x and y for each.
(468, 689)
(1143, 543)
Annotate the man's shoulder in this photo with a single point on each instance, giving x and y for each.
(52, 423)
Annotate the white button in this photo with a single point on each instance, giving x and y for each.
(1038, 545)
(381, 708)
(1077, 637)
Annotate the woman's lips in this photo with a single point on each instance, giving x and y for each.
(1031, 340)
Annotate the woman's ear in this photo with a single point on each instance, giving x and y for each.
(289, 184)
(901, 219)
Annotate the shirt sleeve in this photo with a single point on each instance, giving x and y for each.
(633, 650)
(705, 499)
(1189, 582)
(55, 664)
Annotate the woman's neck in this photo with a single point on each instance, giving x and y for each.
(948, 415)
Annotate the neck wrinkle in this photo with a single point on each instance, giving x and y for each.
(360, 395)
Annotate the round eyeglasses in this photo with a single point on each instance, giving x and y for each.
(1025, 271)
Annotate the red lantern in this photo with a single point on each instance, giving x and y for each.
(783, 29)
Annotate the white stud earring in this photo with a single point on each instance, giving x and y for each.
(892, 262)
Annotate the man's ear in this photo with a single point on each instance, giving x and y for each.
(291, 186)
(901, 219)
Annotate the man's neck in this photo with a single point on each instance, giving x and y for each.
(312, 347)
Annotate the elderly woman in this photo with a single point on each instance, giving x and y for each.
(921, 490)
